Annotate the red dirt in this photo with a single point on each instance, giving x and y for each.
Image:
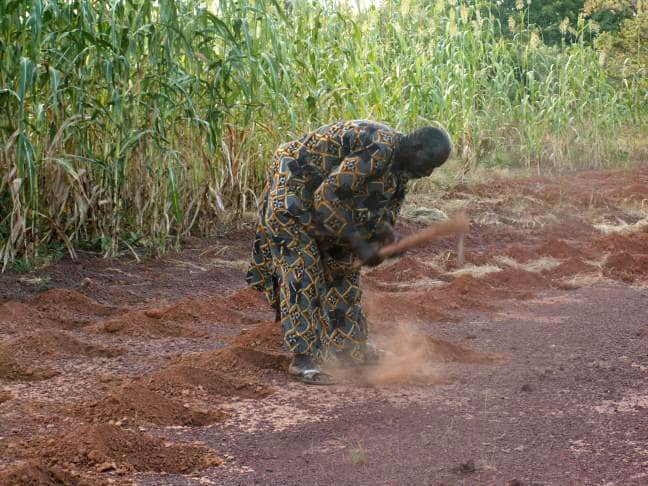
(33, 473)
(559, 249)
(147, 305)
(385, 312)
(5, 397)
(464, 292)
(521, 254)
(71, 302)
(15, 369)
(237, 370)
(244, 300)
(215, 309)
(570, 267)
(138, 324)
(624, 266)
(437, 350)
(52, 343)
(554, 248)
(20, 316)
(468, 291)
(516, 282)
(406, 269)
(634, 242)
(52, 309)
(183, 380)
(237, 360)
(266, 335)
(134, 403)
(107, 447)
(636, 191)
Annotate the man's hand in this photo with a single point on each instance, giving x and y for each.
(368, 253)
(387, 235)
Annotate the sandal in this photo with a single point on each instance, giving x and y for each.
(373, 355)
(307, 371)
(316, 377)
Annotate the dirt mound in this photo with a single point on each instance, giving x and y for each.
(384, 309)
(51, 343)
(70, 303)
(137, 403)
(405, 269)
(18, 316)
(558, 249)
(570, 267)
(635, 191)
(58, 308)
(516, 281)
(242, 359)
(570, 192)
(240, 308)
(140, 324)
(245, 300)
(626, 267)
(14, 369)
(5, 396)
(267, 335)
(36, 474)
(519, 253)
(469, 292)
(232, 371)
(632, 242)
(106, 447)
(182, 379)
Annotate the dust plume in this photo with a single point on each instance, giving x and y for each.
(411, 357)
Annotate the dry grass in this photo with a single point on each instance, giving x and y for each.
(539, 265)
(622, 227)
(582, 280)
(474, 270)
(357, 454)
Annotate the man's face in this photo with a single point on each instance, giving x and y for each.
(422, 164)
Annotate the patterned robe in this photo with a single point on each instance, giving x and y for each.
(325, 190)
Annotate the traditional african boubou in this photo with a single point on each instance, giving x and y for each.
(331, 196)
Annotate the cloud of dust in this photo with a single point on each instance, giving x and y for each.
(407, 360)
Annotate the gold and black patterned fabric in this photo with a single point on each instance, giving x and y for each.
(324, 191)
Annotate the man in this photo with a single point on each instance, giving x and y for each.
(332, 198)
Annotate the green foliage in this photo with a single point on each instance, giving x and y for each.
(134, 122)
(609, 15)
(548, 16)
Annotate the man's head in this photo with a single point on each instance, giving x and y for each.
(420, 152)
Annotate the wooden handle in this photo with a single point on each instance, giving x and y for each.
(459, 224)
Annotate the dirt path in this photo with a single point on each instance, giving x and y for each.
(568, 406)
(527, 366)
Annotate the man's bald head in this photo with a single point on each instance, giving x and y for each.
(420, 152)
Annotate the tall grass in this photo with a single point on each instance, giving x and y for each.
(131, 123)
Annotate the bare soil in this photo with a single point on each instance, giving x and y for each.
(526, 366)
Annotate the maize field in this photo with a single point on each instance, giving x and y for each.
(129, 124)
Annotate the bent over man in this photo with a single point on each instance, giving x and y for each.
(333, 197)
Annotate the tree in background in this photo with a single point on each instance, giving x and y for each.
(609, 14)
(623, 42)
(552, 18)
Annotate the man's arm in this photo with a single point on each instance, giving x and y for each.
(385, 229)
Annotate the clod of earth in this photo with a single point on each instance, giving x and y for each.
(36, 473)
(54, 343)
(94, 445)
(14, 369)
(139, 404)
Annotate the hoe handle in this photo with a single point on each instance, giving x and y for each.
(457, 225)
